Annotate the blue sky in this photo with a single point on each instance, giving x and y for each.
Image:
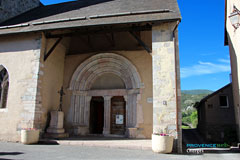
(204, 60)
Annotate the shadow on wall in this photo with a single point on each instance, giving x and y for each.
(19, 43)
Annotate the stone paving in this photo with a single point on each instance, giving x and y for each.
(16, 151)
(106, 142)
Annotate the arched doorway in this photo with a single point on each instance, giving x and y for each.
(108, 75)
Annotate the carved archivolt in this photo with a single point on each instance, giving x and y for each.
(86, 74)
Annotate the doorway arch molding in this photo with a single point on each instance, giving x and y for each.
(105, 63)
(86, 74)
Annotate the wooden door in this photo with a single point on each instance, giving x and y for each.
(118, 115)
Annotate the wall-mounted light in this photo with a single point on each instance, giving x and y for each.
(235, 17)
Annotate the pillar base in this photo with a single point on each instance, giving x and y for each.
(55, 130)
(81, 130)
(56, 135)
(106, 132)
(132, 132)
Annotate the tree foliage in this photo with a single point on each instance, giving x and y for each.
(188, 100)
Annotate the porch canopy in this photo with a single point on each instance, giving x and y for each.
(85, 13)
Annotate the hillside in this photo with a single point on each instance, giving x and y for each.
(191, 99)
(188, 99)
(197, 91)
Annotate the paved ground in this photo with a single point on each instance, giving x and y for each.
(46, 152)
(107, 142)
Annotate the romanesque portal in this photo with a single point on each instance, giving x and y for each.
(105, 90)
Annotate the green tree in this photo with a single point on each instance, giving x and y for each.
(194, 119)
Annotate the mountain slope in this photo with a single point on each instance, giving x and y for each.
(197, 91)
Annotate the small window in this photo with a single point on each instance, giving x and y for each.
(223, 101)
(4, 84)
(0, 3)
(210, 106)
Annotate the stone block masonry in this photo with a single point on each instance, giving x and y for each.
(164, 79)
(22, 58)
(32, 99)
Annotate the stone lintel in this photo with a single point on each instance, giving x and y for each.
(111, 92)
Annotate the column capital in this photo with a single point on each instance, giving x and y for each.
(88, 98)
(107, 98)
(125, 98)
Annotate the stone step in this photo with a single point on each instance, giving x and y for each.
(109, 143)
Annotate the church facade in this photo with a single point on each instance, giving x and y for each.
(117, 61)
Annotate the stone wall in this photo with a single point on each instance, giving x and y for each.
(166, 83)
(52, 80)
(214, 122)
(21, 57)
(12, 8)
(221, 133)
(215, 113)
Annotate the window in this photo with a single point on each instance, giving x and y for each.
(0, 3)
(210, 106)
(223, 100)
(4, 84)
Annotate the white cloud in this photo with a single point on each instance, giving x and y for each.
(203, 68)
(224, 60)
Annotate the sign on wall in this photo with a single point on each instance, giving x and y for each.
(119, 119)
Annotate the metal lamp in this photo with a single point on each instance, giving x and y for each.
(235, 17)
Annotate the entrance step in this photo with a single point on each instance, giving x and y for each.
(106, 142)
(107, 135)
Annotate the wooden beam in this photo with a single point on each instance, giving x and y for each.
(52, 48)
(86, 41)
(110, 39)
(81, 32)
(148, 49)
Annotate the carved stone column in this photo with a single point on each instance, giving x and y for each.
(131, 130)
(83, 128)
(127, 107)
(87, 110)
(107, 116)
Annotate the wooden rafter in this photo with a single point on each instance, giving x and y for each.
(148, 49)
(110, 38)
(52, 48)
(101, 31)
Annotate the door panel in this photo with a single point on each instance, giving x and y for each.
(118, 116)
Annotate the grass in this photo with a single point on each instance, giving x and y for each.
(186, 127)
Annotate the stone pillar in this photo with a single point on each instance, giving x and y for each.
(164, 79)
(130, 109)
(107, 116)
(31, 97)
(87, 110)
(127, 110)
